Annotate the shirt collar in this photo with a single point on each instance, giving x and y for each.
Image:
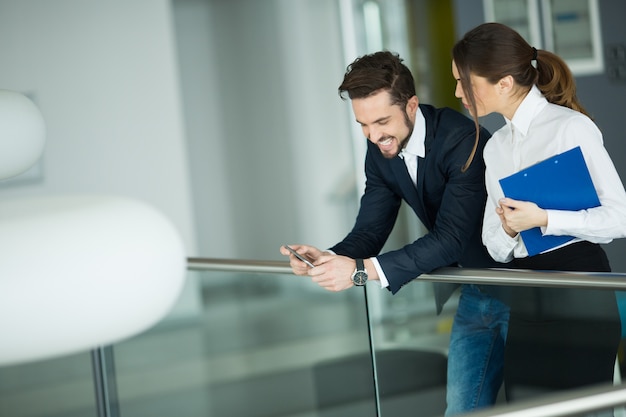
(416, 141)
(532, 104)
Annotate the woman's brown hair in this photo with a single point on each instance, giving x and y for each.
(494, 50)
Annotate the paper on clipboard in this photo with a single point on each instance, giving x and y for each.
(561, 182)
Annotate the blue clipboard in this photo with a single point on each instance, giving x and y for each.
(561, 182)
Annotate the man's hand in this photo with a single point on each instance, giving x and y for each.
(517, 216)
(333, 272)
(297, 266)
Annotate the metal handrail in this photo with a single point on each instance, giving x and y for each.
(238, 265)
(573, 402)
(491, 276)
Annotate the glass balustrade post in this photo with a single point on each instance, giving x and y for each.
(370, 335)
(104, 380)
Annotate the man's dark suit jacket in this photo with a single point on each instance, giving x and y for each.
(448, 201)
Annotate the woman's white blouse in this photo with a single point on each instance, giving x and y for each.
(539, 130)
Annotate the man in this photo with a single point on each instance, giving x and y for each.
(432, 159)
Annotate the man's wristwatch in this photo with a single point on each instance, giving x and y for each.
(359, 276)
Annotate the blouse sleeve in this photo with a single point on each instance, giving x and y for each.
(608, 221)
(499, 244)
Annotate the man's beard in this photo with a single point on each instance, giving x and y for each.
(402, 143)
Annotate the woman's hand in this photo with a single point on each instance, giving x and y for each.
(517, 216)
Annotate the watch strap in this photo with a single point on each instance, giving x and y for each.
(360, 265)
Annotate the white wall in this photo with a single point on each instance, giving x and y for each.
(270, 141)
(104, 74)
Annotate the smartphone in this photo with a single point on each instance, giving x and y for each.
(297, 255)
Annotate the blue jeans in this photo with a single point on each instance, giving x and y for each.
(476, 352)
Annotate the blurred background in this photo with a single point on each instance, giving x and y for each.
(224, 115)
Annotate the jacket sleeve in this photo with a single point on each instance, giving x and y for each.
(377, 215)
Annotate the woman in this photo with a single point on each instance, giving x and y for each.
(558, 338)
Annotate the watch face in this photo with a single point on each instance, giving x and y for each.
(359, 278)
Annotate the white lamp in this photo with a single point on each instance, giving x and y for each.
(76, 272)
(22, 133)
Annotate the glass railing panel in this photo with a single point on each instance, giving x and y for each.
(254, 344)
(560, 339)
(271, 344)
(410, 342)
(60, 387)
